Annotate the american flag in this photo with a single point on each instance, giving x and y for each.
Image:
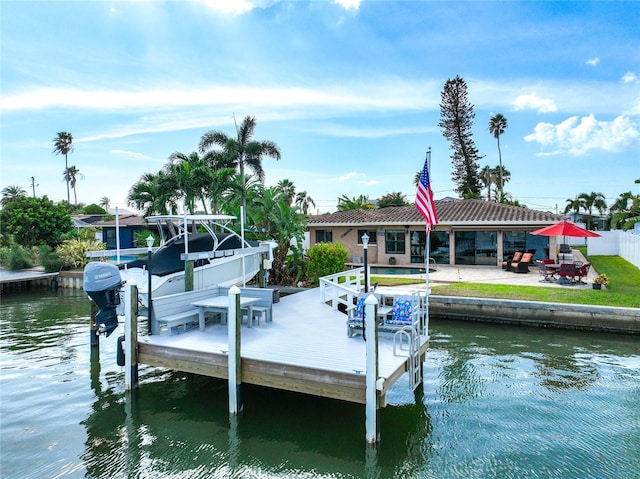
(424, 198)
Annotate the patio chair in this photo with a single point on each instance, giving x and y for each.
(566, 273)
(506, 264)
(548, 274)
(582, 272)
(522, 266)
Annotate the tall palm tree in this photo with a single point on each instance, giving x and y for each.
(304, 200)
(63, 145)
(287, 189)
(71, 175)
(497, 126)
(240, 151)
(10, 193)
(574, 205)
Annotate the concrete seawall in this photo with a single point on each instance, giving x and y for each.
(529, 313)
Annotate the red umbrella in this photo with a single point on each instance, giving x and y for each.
(565, 228)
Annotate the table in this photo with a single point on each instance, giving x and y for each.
(220, 304)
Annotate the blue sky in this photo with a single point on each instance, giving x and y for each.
(349, 90)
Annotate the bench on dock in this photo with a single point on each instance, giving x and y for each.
(176, 312)
(261, 309)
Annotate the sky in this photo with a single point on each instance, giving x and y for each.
(349, 90)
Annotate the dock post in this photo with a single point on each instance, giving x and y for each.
(188, 275)
(93, 328)
(371, 395)
(234, 357)
(131, 337)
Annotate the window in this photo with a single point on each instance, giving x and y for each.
(324, 236)
(372, 236)
(394, 242)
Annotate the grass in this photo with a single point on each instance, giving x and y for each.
(623, 289)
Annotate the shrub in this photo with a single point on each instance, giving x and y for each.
(49, 259)
(325, 259)
(73, 252)
(19, 257)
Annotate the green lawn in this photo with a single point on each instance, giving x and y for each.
(623, 290)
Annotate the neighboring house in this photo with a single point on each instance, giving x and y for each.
(128, 225)
(468, 232)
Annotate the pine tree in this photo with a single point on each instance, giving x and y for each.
(456, 120)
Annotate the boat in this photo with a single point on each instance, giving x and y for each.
(221, 257)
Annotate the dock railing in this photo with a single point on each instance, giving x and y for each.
(342, 288)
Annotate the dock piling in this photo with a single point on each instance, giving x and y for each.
(234, 359)
(371, 395)
(94, 338)
(131, 337)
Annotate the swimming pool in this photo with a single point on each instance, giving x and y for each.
(395, 270)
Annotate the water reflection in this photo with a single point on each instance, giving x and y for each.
(179, 422)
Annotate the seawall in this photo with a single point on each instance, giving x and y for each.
(530, 313)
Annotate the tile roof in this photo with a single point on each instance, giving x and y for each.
(450, 212)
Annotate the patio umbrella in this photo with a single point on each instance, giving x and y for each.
(565, 228)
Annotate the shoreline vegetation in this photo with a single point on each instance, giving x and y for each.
(624, 282)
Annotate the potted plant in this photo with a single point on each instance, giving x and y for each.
(600, 280)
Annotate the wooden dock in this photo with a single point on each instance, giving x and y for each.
(25, 278)
(304, 349)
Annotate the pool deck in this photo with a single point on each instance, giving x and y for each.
(446, 274)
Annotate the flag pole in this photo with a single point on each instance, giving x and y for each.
(425, 323)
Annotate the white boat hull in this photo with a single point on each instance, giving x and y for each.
(227, 271)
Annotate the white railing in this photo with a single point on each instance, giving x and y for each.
(342, 288)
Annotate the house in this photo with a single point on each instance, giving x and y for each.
(474, 232)
(129, 225)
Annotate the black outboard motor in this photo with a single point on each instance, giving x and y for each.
(102, 283)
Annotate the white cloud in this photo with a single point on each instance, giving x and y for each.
(593, 61)
(131, 154)
(579, 136)
(237, 7)
(348, 4)
(630, 77)
(532, 101)
(348, 176)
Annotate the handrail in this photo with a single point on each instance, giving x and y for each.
(342, 287)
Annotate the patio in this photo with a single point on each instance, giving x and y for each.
(496, 275)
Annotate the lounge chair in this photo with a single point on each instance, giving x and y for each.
(506, 264)
(522, 266)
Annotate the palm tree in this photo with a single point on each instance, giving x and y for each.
(239, 152)
(497, 126)
(361, 202)
(105, 202)
(71, 175)
(152, 194)
(63, 145)
(192, 176)
(287, 189)
(625, 208)
(10, 193)
(590, 201)
(304, 200)
(487, 178)
(574, 205)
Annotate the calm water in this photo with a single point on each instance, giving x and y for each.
(498, 403)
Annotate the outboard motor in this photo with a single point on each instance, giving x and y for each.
(102, 283)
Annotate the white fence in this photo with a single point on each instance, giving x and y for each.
(616, 243)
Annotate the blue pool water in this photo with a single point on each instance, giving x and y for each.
(395, 270)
